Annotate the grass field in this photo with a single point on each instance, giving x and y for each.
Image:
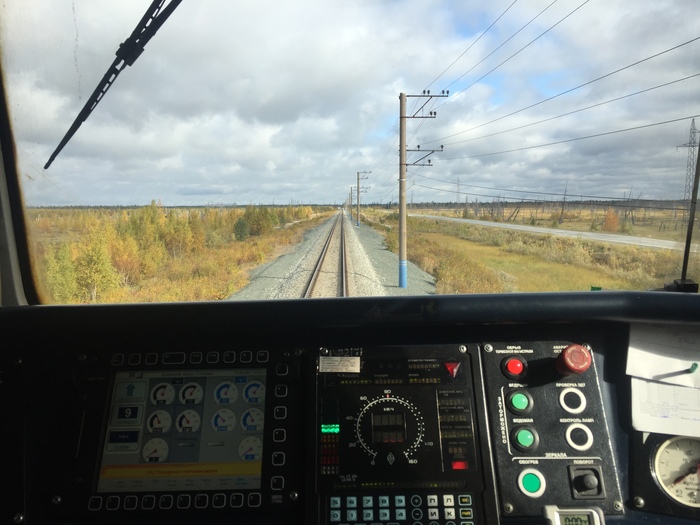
(467, 258)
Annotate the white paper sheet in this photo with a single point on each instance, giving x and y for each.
(664, 408)
(665, 353)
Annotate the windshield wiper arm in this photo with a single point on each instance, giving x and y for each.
(127, 54)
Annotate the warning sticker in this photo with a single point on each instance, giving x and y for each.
(339, 365)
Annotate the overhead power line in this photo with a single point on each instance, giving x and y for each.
(500, 46)
(472, 45)
(574, 139)
(575, 111)
(588, 83)
(517, 52)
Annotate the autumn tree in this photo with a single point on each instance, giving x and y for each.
(60, 274)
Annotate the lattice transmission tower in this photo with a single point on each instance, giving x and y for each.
(690, 170)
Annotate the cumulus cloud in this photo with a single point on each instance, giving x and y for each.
(285, 101)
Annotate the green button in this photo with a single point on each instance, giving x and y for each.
(525, 438)
(519, 401)
(531, 483)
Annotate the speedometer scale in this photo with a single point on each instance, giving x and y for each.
(676, 466)
(387, 426)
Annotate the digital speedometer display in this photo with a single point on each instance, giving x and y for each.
(184, 430)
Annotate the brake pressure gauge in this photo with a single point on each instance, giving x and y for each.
(676, 467)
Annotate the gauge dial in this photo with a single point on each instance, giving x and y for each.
(250, 448)
(223, 420)
(252, 420)
(159, 422)
(155, 450)
(254, 392)
(388, 425)
(225, 393)
(188, 421)
(191, 394)
(676, 465)
(162, 394)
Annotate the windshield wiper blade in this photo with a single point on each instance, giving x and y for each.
(127, 54)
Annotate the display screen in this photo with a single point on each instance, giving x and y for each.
(575, 519)
(184, 430)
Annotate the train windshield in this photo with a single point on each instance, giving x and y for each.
(199, 151)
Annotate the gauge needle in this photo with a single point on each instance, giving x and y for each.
(692, 470)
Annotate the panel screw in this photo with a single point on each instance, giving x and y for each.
(82, 357)
(294, 495)
(462, 349)
(488, 348)
(638, 502)
(18, 518)
(508, 507)
(56, 500)
(618, 506)
(325, 351)
(18, 361)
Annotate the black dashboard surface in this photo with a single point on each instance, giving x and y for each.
(61, 368)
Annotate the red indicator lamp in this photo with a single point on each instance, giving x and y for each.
(460, 464)
(514, 367)
(452, 368)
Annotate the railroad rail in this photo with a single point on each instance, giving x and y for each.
(331, 270)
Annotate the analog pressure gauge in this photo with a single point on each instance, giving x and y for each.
(676, 467)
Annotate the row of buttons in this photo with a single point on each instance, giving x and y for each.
(168, 501)
(356, 509)
(195, 358)
(368, 515)
(448, 500)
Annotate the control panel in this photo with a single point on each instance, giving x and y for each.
(481, 432)
(402, 436)
(177, 434)
(550, 435)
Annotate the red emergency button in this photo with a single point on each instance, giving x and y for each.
(574, 359)
(514, 367)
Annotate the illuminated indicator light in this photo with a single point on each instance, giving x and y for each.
(519, 401)
(452, 368)
(514, 366)
(459, 464)
(525, 438)
(531, 483)
(330, 429)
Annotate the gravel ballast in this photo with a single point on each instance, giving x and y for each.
(374, 269)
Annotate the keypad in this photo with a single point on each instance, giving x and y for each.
(402, 509)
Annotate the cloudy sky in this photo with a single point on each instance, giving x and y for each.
(284, 101)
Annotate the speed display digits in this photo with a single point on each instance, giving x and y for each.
(676, 466)
(389, 424)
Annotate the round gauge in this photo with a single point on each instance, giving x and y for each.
(225, 393)
(676, 466)
(223, 420)
(159, 422)
(155, 451)
(389, 427)
(188, 421)
(250, 448)
(162, 394)
(252, 420)
(191, 394)
(254, 392)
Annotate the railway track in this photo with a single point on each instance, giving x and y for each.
(329, 277)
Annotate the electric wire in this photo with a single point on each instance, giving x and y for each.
(574, 111)
(565, 141)
(500, 46)
(588, 83)
(514, 54)
(473, 44)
